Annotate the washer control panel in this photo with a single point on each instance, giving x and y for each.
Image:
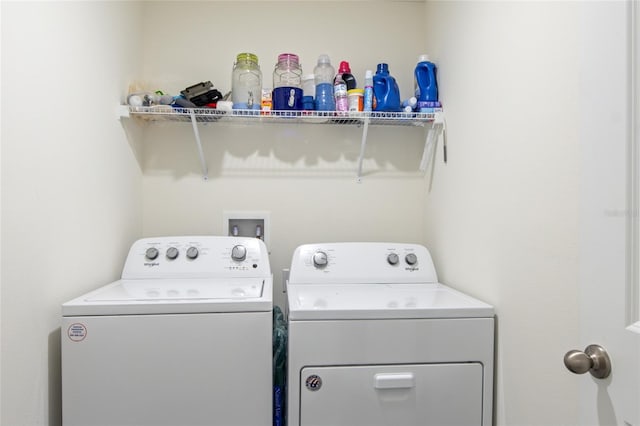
(362, 263)
(198, 256)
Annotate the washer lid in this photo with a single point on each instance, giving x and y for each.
(382, 301)
(174, 296)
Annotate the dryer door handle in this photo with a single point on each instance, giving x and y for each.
(394, 381)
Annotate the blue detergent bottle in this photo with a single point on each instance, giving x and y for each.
(425, 80)
(386, 91)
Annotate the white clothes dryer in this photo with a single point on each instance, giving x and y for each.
(375, 340)
(184, 338)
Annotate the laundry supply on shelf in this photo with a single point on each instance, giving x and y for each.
(426, 85)
(287, 83)
(246, 82)
(385, 89)
(324, 74)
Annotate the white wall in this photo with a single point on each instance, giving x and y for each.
(70, 183)
(303, 175)
(503, 213)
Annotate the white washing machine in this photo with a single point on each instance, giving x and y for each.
(375, 340)
(183, 339)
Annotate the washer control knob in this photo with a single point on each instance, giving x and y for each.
(172, 253)
(393, 259)
(239, 253)
(151, 253)
(411, 259)
(320, 259)
(192, 252)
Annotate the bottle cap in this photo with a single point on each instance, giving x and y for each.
(368, 74)
(344, 67)
(423, 58)
(323, 59)
(245, 56)
(288, 57)
(382, 68)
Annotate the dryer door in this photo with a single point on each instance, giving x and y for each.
(398, 395)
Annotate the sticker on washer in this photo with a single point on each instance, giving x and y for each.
(77, 332)
(313, 382)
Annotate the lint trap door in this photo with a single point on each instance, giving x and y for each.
(399, 395)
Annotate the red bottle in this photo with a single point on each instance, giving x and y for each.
(348, 78)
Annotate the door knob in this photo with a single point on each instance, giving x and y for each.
(594, 359)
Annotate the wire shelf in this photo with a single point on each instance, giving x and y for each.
(208, 115)
(433, 122)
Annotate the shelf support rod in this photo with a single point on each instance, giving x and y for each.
(196, 133)
(431, 140)
(363, 146)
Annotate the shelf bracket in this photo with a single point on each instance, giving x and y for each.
(196, 133)
(433, 132)
(363, 147)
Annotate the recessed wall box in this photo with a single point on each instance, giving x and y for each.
(247, 224)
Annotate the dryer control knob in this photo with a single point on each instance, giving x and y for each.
(151, 253)
(393, 259)
(172, 253)
(411, 259)
(192, 252)
(239, 253)
(320, 259)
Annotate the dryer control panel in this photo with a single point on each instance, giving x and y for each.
(197, 257)
(366, 263)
